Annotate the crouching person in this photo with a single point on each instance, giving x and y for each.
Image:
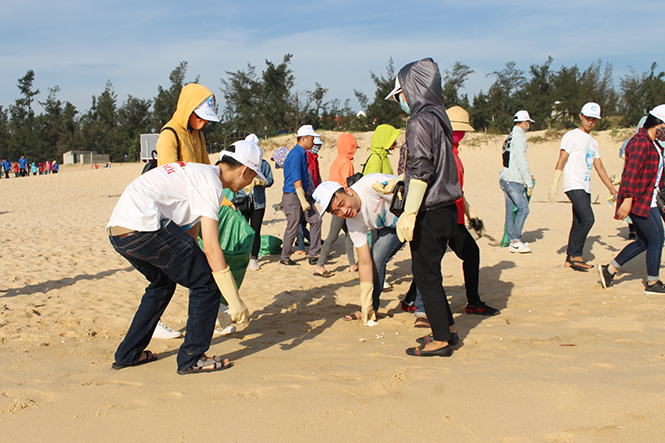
(365, 208)
(154, 226)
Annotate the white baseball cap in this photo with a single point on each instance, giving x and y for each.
(248, 153)
(324, 193)
(658, 112)
(206, 110)
(396, 90)
(522, 116)
(317, 141)
(305, 130)
(591, 109)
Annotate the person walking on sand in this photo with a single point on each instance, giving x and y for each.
(182, 139)
(641, 180)
(146, 229)
(295, 201)
(462, 243)
(516, 181)
(340, 170)
(432, 187)
(23, 166)
(577, 156)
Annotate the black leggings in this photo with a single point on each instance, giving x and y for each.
(255, 218)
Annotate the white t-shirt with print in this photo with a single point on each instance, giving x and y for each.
(182, 192)
(374, 211)
(582, 151)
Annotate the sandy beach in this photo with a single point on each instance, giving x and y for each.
(566, 361)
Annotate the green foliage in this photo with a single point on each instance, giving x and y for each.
(266, 104)
(167, 99)
(453, 82)
(382, 111)
(640, 94)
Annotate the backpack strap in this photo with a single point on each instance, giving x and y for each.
(177, 139)
(364, 165)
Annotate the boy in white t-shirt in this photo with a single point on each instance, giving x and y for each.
(365, 209)
(154, 226)
(578, 155)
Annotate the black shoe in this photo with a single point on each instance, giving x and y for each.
(288, 262)
(482, 309)
(655, 289)
(313, 260)
(605, 275)
(446, 351)
(454, 339)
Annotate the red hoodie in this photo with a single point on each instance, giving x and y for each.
(342, 167)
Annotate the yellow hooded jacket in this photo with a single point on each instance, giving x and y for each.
(192, 143)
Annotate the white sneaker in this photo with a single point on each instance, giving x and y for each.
(520, 247)
(164, 332)
(224, 319)
(254, 265)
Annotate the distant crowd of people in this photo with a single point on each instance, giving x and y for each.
(168, 223)
(22, 168)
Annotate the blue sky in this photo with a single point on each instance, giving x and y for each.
(79, 45)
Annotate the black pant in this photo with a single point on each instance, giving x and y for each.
(465, 247)
(255, 218)
(432, 232)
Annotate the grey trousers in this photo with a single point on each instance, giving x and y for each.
(336, 225)
(293, 211)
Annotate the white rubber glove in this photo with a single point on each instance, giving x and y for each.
(414, 198)
(555, 185)
(366, 303)
(300, 192)
(384, 187)
(227, 286)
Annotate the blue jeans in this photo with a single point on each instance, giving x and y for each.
(167, 257)
(515, 194)
(650, 236)
(384, 247)
(583, 220)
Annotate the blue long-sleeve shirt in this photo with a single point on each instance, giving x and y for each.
(258, 193)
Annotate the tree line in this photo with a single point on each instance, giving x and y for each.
(267, 104)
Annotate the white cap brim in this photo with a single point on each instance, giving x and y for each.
(396, 90)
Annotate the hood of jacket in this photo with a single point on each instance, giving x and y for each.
(383, 138)
(421, 84)
(191, 96)
(346, 146)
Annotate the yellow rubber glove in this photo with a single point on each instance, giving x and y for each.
(385, 187)
(414, 198)
(555, 185)
(366, 307)
(249, 187)
(300, 192)
(227, 286)
(259, 182)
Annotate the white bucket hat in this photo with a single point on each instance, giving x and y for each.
(396, 90)
(323, 194)
(206, 110)
(658, 112)
(522, 116)
(248, 153)
(591, 109)
(306, 130)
